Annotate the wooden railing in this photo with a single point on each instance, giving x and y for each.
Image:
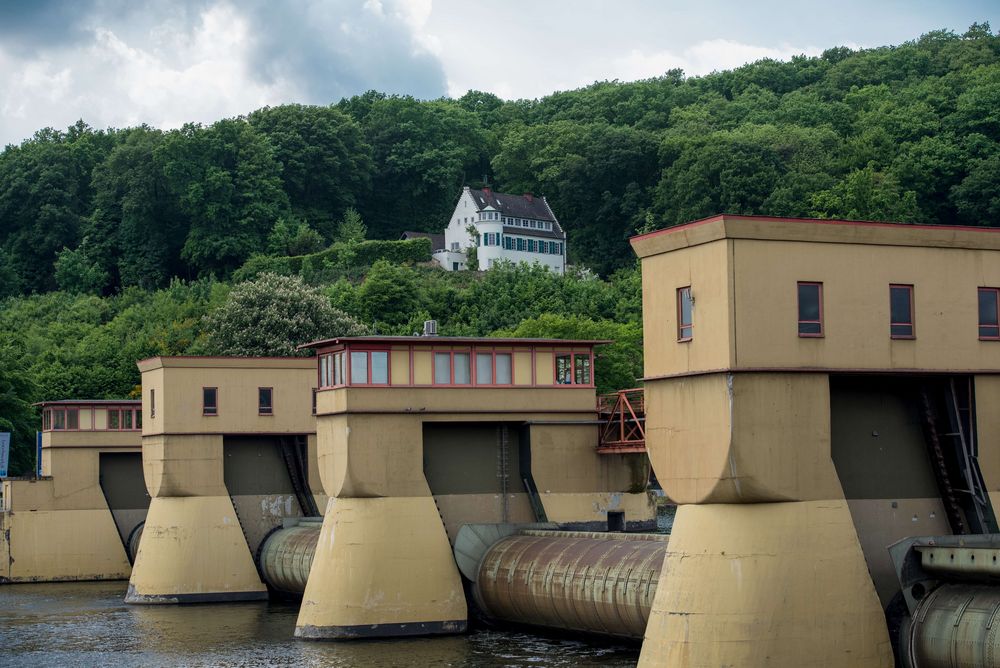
(624, 417)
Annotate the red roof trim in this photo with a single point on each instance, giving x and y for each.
(432, 340)
(821, 221)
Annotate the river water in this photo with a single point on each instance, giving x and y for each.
(87, 624)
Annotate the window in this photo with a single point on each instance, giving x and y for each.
(442, 368)
(503, 369)
(264, 401)
(901, 312)
(152, 403)
(359, 368)
(72, 418)
(543, 246)
(380, 367)
(810, 309)
(484, 369)
(989, 310)
(126, 419)
(564, 369)
(114, 419)
(314, 401)
(462, 370)
(454, 246)
(581, 369)
(685, 327)
(47, 419)
(209, 401)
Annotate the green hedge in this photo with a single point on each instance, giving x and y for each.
(338, 257)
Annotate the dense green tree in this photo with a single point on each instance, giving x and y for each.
(271, 316)
(326, 164)
(291, 237)
(76, 272)
(867, 195)
(17, 391)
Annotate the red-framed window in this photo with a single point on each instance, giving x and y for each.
(61, 419)
(124, 419)
(810, 299)
(901, 311)
(314, 401)
(574, 368)
(152, 403)
(368, 367)
(685, 313)
(210, 401)
(989, 314)
(332, 369)
(494, 367)
(265, 401)
(453, 367)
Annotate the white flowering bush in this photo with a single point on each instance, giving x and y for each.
(271, 315)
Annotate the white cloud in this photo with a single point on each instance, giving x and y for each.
(703, 58)
(165, 80)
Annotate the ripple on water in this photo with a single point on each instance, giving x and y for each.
(87, 624)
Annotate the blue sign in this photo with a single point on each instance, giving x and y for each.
(38, 454)
(4, 452)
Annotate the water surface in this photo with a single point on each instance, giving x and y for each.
(87, 624)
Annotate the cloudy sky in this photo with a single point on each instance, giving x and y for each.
(164, 62)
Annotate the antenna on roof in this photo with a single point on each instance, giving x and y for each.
(486, 180)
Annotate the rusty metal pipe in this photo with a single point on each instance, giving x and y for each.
(577, 581)
(287, 555)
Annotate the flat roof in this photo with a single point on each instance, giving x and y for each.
(88, 402)
(817, 230)
(223, 362)
(429, 340)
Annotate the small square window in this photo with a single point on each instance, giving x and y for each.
(442, 368)
(685, 307)
(810, 309)
(901, 312)
(989, 310)
(265, 396)
(209, 401)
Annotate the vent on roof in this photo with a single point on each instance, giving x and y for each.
(430, 327)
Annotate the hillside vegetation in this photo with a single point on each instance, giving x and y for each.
(125, 243)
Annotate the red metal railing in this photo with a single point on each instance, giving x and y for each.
(624, 416)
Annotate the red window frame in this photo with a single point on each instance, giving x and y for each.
(893, 323)
(327, 365)
(685, 329)
(798, 298)
(152, 403)
(574, 355)
(992, 328)
(451, 352)
(492, 352)
(348, 380)
(205, 408)
(261, 408)
(314, 401)
(135, 418)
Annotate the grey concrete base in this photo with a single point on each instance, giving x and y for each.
(380, 630)
(134, 598)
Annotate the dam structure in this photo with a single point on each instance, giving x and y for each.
(420, 436)
(75, 519)
(817, 391)
(228, 454)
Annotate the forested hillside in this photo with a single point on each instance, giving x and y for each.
(125, 243)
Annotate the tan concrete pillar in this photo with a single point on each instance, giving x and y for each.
(383, 565)
(764, 566)
(192, 549)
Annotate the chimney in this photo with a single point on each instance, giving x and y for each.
(430, 327)
(486, 189)
(529, 197)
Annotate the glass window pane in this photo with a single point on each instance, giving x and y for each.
(442, 368)
(899, 304)
(901, 330)
(114, 419)
(72, 418)
(359, 368)
(209, 400)
(685, 299)
(264, 400)
(484, 369)
(138, 419)
(810, 328)
(126, 419)
(989, 331)
(462, 371)
(380, 367)
(47, 419)
(338, 369)
(582, 368)
(988, 307)
(564, 370)
(60, 419)
(809, 302)
(503, 369)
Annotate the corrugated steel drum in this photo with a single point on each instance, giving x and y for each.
(578, 581)
(956, 625)
(287, 555)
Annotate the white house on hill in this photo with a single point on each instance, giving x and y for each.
(518, 228)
